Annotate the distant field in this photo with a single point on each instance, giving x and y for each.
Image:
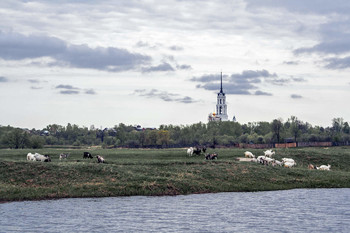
(163, 172)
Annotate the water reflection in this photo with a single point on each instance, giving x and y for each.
(300, 210)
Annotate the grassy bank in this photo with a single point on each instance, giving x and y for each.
(163, 172)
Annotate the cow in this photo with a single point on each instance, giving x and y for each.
(190, 151)
(30, 157)
(211, 156)
(64, 156)
(42, 158)
(87, 155)
(197, 151)
(100, 159)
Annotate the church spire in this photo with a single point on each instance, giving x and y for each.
(221, 91)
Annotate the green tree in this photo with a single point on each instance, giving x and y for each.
(277, 128)
(37, 142)
(17, 138)
(294, 127)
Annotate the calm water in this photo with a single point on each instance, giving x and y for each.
(299, 210)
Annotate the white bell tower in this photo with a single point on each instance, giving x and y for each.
(221, 106)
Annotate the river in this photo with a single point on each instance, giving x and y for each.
(298, 210)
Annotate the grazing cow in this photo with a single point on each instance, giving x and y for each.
(100, 159)
(42, 158)
(64, 156)
(269, 153)
(30, 157)
(197, 151)
(249, 154)
(211, 156)
(190, 151)
(289, 160)
(288, 164)
(324, 167)
(269, 160)
(87, 155)
(279, 163)
(262, 159)
(204, 149)
(311, 167)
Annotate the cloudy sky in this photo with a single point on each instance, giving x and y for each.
(158, 62)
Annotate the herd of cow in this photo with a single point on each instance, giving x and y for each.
(46, 158)
(198, 150)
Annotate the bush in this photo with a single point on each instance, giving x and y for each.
(37, 142)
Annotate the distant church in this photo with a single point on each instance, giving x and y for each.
(221, 107)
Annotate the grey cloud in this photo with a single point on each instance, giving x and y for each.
(176, 48)
(336, 46)
(162, 67)
(284, 81)
(165, 96)
(295, 96)
(33, 81)
(298, 80)
(291, 62)
(15, 46)
(334, 39)
(183, 67)
(36, 88)
(253, 74)
(244, 83)
(3, 79)
(228, 88)
(142, 44)
(69, 87)
(337, 63)
(90, 92)
(310, 6)
(262, 93)
(279, 82)
(69, 92)
(207, 78)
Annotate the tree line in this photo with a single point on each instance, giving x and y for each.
(210, 134)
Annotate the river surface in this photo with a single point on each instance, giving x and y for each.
(298, 210)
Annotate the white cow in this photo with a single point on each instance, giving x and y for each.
(324, 167)
(190, 151)
(30, 157)
(269, 160)
(269, 153)
(249, 154)
(288, 164)
(42, 158)
(288, 160)
(279, 163)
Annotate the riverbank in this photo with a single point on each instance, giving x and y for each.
(163, 172)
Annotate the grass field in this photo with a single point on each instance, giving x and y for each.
(163, 172)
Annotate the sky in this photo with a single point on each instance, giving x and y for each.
(159, 62)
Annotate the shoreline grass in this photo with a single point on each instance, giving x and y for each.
(154, 172)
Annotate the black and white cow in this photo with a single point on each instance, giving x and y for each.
(87, 155)
(211, 156)
(64, 156)
(100, 159)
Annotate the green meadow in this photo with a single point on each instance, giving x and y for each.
(163, 172)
